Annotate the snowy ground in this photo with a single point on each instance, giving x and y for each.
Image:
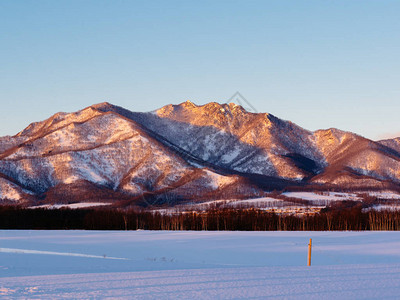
(327, 196)
(210, 265)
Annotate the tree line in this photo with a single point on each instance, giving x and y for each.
(353, 218)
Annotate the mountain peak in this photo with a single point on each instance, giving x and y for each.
(188, 103)
(103, 106)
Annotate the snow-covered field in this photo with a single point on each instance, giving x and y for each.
(196, 265)
(327, 196)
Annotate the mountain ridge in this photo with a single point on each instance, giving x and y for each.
(184, 152)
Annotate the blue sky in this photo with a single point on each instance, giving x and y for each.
(320, 64)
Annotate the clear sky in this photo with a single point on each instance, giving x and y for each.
(320, 64)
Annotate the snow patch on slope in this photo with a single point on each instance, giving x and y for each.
(217, 181)
(72, 206)
(11, 191)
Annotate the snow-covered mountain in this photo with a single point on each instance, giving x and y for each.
(183, 152)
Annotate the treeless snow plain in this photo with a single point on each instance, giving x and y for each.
(198, 265)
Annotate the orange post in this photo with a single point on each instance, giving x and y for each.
(309, 253)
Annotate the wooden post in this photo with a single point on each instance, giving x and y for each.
(309, 253)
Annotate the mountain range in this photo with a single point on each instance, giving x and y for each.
(184, 153)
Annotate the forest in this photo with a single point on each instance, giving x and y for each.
(330, 219)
